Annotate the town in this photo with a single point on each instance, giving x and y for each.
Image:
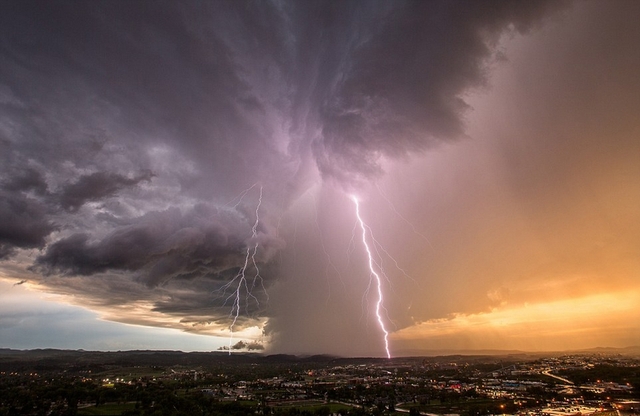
(56, 382)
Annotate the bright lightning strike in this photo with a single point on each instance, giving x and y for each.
(240, 282)
(373, 274)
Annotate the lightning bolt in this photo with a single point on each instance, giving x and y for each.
(373, 275)
(240, 283)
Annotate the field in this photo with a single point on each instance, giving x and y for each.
(106, 409)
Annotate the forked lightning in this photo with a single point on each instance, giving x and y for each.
(374, 275)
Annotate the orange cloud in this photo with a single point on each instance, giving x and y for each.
(558, 325)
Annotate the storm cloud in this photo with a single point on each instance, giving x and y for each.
(152, 152)
(398, 81)
(159, 246)
(94, 187)
(24, 223)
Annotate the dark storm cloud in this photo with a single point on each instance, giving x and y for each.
(160, 246)
(23, 223)
(133, 75)
(213, 98)
(23, 212)
(399, 87)
(96, 186)
(26, 180)
(241, 345)
(351, 80)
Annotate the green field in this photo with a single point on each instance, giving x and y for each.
(106, 409)
(333, 407)
(313, 405)
(130, 373)
(463, 407)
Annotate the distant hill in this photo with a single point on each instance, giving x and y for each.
(438, 353)
(633, 350)
(627, 351)
(56, 360)
(53, 359)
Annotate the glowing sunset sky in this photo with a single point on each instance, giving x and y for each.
(494, 148)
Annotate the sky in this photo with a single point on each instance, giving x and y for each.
(182, 175)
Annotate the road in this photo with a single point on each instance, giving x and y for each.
(548, 373)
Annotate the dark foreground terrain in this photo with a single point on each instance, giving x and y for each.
(60, 382)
